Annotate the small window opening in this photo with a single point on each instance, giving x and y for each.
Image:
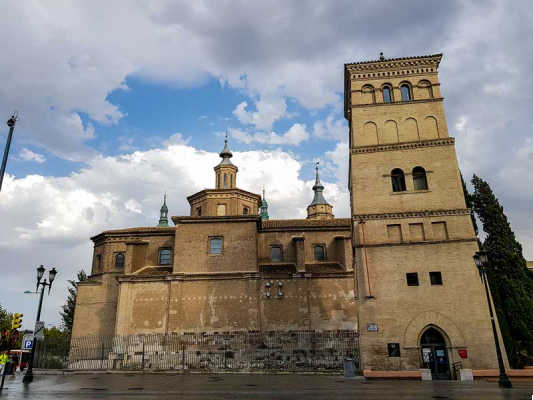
(387, 97)
(394, 349)
(119, 260)
(215, 246)
(420, 179)
(245, 211)
(412, 278)
(276, 255)
(319, 254)
(398, 180)
(199, 211)
(406, 93)
(165, 256)
(225, 181)
(435, 278)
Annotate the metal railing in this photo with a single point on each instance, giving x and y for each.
(218, 351)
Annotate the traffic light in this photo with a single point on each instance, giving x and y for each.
(17, 321)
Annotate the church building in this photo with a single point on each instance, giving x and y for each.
(399, 273)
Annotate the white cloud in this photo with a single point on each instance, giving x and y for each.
(294, 136)
(28, 155)
(268, 112)
(331, 129)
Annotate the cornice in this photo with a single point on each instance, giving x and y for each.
(235, 191)
(418, 214)
(403, 146)
(211, 219)
(433, 59)
(396, 103)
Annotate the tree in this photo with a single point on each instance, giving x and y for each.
(5, 324)
(67, 315)
(469, 204)
(510, 282)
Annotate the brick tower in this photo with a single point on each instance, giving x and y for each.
(421, 302)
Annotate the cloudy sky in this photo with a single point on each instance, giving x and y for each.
(122, 101)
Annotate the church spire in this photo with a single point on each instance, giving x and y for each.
(319, 207)
(163, 219)
(226, 172)
(318, 188)
(264, 208)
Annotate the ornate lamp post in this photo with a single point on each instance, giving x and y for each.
(481, 259)
(51, 276)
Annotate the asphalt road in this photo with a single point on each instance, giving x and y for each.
(252, 387)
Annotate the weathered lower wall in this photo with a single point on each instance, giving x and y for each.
(239, 303)
(96, 307)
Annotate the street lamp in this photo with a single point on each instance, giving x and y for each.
(481, 258)
(51, 276)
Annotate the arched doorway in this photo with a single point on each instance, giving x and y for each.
(434, 354)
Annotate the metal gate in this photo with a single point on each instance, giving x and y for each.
(218, 351)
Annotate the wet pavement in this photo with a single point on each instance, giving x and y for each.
(252, 386)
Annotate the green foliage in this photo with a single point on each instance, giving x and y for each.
(510, 282)
(469, 204)
(67, 315)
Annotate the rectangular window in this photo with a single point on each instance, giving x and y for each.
(221, 209)
(440, 230)
(165, 257)
(319, 253)
(412, 278)
(394, 349)
(98, 262)
(416, 232)
(394, 233)
(435, 278)
(215, 245)
(276, 254)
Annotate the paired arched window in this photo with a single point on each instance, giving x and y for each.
(165, 256)
(276, 254)
(406, 92)
(119, 260)
(387, 94)
(420, 181)
(245, 211)
(398, 180)
(319, 253)
(215, 246)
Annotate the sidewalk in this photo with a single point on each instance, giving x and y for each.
(253, 387)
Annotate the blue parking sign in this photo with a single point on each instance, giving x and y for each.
(28, 344)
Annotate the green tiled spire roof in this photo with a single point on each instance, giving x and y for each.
(163, 219)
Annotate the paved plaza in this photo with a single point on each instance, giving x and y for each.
(251, 386)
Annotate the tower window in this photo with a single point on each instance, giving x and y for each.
(369, 95)
(419, 178)
(406, 92)
(245, 211)
(231, 181)
(98, 262)
(387, 94)
(398, 180)
(119, 260)
(225, 181)
(435, 278)
(165, 256)
(412, 278)
(215, 246)
(199, 211)
(319, 253)
(276, 254)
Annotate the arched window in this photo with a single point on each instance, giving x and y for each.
(387, 94)
(398, 180)
(199, 211)
(225, 181)
(276, 254)
(119, 260)
(165, 256)
(218, 180)
(369, 95)
(419, 178)
(425, 90)
(319, 253)
(406, 92)
(215, 246)
(245, 211)
(231, 181)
